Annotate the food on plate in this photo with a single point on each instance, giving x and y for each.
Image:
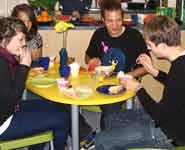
(115, 89)
(80, 92)
(37, 71)
(83, 90)
(43, 82)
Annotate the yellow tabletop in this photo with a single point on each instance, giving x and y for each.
(53, 93)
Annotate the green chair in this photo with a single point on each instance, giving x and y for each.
(93, 116)
(147, 149)
(92, 108)
(27, 141)
(178, 148)
(175, 148)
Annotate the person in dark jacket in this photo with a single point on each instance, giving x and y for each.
(24, 118)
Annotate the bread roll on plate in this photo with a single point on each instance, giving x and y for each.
(115, 89)
(37, 71)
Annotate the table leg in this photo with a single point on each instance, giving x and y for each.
(75, 127)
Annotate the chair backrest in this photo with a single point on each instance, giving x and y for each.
(27, 141)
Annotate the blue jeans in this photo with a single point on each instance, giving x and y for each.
(85, 128)
(130, 129)
(36, 116)
(31, 96)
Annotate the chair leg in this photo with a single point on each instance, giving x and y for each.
(98, 119)
(51, 145)
(129, 103)
(133, 103)
(24, 96)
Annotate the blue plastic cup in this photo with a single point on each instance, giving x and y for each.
(64, 71)
(44, 62)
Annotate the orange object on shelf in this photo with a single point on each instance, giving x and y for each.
(44, 13)
(39, 18)
(44, 17)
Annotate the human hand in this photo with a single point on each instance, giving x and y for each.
(25, 56)
(130, 84)
(76, 14)
(147, 63)
(93, 63)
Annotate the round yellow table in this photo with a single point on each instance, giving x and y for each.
(53, 93)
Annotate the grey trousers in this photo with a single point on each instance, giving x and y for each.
(130, 129)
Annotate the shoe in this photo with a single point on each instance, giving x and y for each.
(87, 143)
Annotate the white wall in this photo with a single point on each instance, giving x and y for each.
(172, 3)
(7, 5)
(3, 8)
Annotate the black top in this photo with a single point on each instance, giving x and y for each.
(11, 88)
(169, 113)
(131, 43)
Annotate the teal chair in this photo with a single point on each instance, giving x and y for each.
(27, 141)
(92, 108)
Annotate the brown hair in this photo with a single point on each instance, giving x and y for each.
(110, 5)
(9, 27)
(30, 13)
(162, 29)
